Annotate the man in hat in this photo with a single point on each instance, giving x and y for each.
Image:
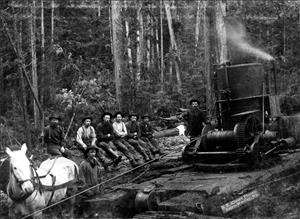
(147, 133)
(54, 137)
(120, 133)
(89, 171)
(133, 137)
(105, 133)
(86, 136)
(195, 119)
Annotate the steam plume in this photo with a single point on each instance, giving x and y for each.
(236, 35)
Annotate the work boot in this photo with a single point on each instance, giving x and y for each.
(146, 157)
(117, 161)
(151, 157)
(105, 162)
(133, 163)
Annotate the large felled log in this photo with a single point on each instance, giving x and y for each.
(179, 130)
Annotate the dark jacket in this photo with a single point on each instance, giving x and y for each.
(133, 127)
(54, 139)
(146, 129)
(103, 129)
(88, 175)
(195, 119)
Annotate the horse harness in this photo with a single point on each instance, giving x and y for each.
(39, 185)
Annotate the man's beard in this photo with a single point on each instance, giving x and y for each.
(195, 109)
(53, 125)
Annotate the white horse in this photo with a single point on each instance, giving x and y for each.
(31, 189)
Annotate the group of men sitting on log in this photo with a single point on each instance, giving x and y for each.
(109, 139)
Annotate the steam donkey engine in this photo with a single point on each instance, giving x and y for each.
(246, 105)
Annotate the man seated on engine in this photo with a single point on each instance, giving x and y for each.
(133, 138)
(86, 136)
(54, 137)
(105, 134)
(147, 133)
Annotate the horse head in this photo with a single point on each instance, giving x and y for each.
(21, 173)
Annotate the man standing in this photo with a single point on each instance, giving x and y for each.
(195, 119)
(134, 134)
(89, 174)
(147, 133)
(54, 136)
(86, 136)
(89, 171)
(120, 133)
(105, 135)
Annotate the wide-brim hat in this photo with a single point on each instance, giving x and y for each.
(194, 100)
(133, 114)
(146, 116)
(85, 118)
(105, 114)
(54, 116)
(92, 147)
(117, 113)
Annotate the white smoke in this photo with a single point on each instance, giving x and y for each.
(236, 35)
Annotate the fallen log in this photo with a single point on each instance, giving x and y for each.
(179, 130)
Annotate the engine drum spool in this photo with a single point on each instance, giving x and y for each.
(221, 139)
(146, 200)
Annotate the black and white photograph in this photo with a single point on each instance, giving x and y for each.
(149, 109)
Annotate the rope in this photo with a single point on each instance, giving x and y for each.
(92, 187)
(132, 180)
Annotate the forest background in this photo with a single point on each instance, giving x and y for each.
(79, 57)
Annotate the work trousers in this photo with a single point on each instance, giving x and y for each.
(126, 149)
(140, 147)
(109, 148)
(152, 143)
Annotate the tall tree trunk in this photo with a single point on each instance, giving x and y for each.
(130, 62)
(173, 46)
(99, 8)
(148, 50)
(162, 80)
(220, 13)
(2, 88)
(170, 71)
(152, 37)
(129, 52)
(117, 45)
(207, 56)
(140, 41)
(34, 61)
(197, 31)
(157, 46)
(52, 76)
(283, 34)
(42, 75)
(23, 90)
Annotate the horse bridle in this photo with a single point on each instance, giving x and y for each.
(20, 182)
